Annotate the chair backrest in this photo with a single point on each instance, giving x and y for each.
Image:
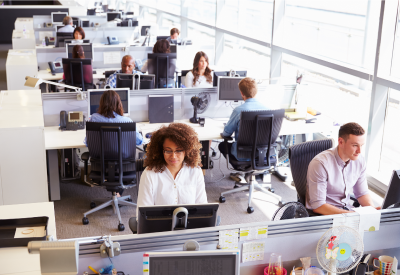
(257, 131)
(78, 72)
(163, 66)
(300, 156)
(111, 142)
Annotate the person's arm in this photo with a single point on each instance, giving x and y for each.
(232, 124)
(366, 200)
(189, 80)
(144, 67)
(201, 195)
(139, 138)
(145, 196)
(111, 80)
(360, 189)
(327, 209)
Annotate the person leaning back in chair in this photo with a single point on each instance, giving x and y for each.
(248, 90)
(173, 174)
(335, 173)
(127, 67)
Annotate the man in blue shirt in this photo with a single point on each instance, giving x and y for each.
(127, 67)
(248, 90)
(67, 21)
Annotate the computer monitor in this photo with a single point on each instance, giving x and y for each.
(61, 37)
(162, 37)
(87, 49)
(144, 81)
(172, 48)
(73, 74)
(226, 73)
(221, 262)
(228, 88)
(145, 30)
(93, 98)
(58, 17)
(159, 218)
(157, 64)
(113, 15)
(392, 197)
(125, 81)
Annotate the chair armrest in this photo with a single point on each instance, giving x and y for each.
(133, 225)
(226, 138)
(355, 201)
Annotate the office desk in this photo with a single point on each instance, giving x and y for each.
(46, 75)
(17, 260)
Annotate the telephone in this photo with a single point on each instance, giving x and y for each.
(72, 121)
(50, 41)
(55, 67)
(112, 40)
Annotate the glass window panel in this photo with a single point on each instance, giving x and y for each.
(149, 3)
(171, 6)
(339, 96)
(239, 54)
(200, 10)
(390, 156)
(149, 16)
(395, 70)
(332, 28)
(251, 18)
(167, 23)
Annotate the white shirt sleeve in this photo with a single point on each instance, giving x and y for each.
(189, 80)
(146, 195)
(201, 196)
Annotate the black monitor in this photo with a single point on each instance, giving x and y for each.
(226, 73)
(162, 37)
(113, 15)
(87, 49)
(58, 17)
(75, 74)
(172, 48)
(125, 81)
(228, 88)
(392, 197)
(145, 30)
(61, 37)
(144, 81)
(159, 218)
(93, 98)
(163, 66)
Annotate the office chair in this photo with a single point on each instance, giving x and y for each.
(258, 133)
(163, 66)
(300, 156)
(112, 151)
(74, 71)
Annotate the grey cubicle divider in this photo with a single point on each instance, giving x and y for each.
(293, 239)
(8, 15)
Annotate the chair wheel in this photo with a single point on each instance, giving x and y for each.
(272, 190)
(85, 220)
(92, 205)
(221, 199)
(130, 200)
(250, 209)
(236, 186)
(121, 227)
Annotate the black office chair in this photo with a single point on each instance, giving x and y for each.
(258, 133)
(74, 71)
(300, 156)
(163, 66)
(112, 152)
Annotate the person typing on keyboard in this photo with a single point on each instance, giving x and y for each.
(127, 67)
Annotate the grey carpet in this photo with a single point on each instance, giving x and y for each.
(3, 58)
(76, 198)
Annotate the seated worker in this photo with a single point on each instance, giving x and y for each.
(200, 76)
(173, 174)
(67, 21)
(335, 173)
(161, 46)
(248, 90)
(79, 33)
(174, 36)
(127, 67)
(111, 111)
(77, 52)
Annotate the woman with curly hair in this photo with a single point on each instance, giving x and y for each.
(173, 174)
(200, 76)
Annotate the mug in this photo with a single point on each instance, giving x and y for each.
(385, 264)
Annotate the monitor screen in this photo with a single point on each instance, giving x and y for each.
(73, 115)
(57, 17)
(392, 197)
(217, 74)
(87, 49)
(95, 95)
(125, 81)
(113, 15)
(145, 30)
(228, 88)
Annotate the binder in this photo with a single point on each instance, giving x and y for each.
(161, 108)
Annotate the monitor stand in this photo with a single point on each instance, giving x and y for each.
(179, 218)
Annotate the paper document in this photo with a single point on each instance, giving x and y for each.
(30, 232)
(253, 233)
(228, 239)
(350, 221)
(370, 218)
(253, 251)
(112, 57)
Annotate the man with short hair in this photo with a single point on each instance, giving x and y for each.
(335, 173)
(127, 67)
(174, 36)
(67, 21)
(248, 90)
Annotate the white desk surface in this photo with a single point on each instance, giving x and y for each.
(17, 260)
(18, 57)
(55, 139)
(46, 75)
(29, 34)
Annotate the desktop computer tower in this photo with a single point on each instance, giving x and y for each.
(67, 162)
(205, 155)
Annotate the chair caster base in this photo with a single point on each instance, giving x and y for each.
(281, 203)
(250, 209)
(236, 186)
(222, 199)
(130, 200)
(92, 205)
(85, 220)
(121, 227)
(272, 190)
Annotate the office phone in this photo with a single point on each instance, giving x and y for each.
(56, 67)
(112, 40)
(72, 121)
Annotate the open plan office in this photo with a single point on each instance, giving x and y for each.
(219, 137)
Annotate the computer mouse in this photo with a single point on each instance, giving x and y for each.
(148, 135)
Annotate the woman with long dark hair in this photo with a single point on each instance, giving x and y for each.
(161, 46)
(200, 76)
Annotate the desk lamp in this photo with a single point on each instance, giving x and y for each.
(35, 82)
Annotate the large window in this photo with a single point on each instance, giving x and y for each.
(200, 10)
(167, 23)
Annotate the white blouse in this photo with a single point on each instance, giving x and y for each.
(162, 189)
(200, 83)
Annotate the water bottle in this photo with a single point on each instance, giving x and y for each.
(44, 42)
(130, 23)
